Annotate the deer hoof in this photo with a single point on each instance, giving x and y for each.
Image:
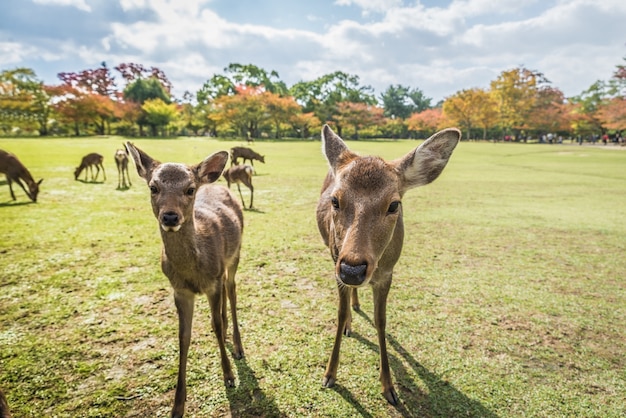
(229, 382)
(391, 396)
(238, 354)
(328, 382)
(356, 308)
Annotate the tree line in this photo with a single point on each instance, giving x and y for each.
(250, 102)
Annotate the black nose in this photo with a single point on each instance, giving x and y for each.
(169, 219)
(352, 275)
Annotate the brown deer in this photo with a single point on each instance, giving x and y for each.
(241, 174)
(245, 154)
(121, 161)
(14, 171)
(201, 227)
(359, 216)
(88, 162)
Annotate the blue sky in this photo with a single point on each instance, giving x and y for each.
(440, 47)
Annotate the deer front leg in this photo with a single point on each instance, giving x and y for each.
(240, 195)
(184, 306)
(215, 301)
(11, 187)
(342, 318)
(231, 290)
(380, 321)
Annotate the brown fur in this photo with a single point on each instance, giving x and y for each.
(246, 154)
(14, 171)
(359, 216)
(201, 227)
(241, 174)
(87, 163)
(121, 161)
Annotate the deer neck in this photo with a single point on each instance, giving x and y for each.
(180, 247)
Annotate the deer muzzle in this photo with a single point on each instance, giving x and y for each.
(352, 275)
(170, 221)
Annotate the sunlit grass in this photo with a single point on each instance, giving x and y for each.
(508, 300)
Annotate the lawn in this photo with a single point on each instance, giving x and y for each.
(509, 299)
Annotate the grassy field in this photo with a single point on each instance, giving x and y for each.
(509, 299)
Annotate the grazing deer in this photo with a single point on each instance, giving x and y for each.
(359, 216)
(121, 161)
(245, 154)
(88, 162)
(14, 171)
(241, 174)
(201, 226)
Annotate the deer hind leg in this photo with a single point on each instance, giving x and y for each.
(104, 174)
(231, 291)
(240, 194)
(380, 321)
(184, 301)
(330, 376)
(11, 187)
(215, 301)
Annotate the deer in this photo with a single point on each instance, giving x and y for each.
(15, 171)
(121, 161)
(241, 174)
(201, 226)
(88, 162)
(245, 154)
(359, 216)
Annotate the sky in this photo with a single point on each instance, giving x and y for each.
(439, 47)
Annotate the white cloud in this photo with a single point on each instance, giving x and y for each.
(79, 4)
(371, 5)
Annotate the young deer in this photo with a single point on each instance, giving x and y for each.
(359, 216)
(14, 171)
(241, 174)
(245, 154)
(201, 227)
(121, 161)
(88, 162)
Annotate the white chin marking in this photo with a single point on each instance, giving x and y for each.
(170, 228)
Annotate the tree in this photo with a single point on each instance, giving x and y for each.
(463, 108)
(549, 112)
(425, 122)
(396, 102)
(158, 114)
(358, 115)
(132, 72)
(142, 90)
(244, 111)
(253, 76)
(281, 110)
(321, 96)
(24, 99)
(515, 92)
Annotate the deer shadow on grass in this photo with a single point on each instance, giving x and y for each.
(247, 399)
(442, 399)
(11, 203)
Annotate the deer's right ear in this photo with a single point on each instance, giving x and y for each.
(144, 163)
(211, 168)
(332, 147)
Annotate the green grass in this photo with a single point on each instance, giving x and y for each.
(509, 299)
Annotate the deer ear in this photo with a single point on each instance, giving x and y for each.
(210, 169)
(332, 147)
(144, 163)
(424, 164)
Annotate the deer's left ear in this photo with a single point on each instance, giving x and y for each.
(424, 164)
(143, 162)
(210, 169)
(332, 147)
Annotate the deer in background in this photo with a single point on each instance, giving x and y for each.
(87, 163)
(245, 154)
(241, 174)
(4, 406)
(359, 215)
(14, 171)
(121, 161)
(201, 226)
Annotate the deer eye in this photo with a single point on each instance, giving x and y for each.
(154, 190)
(335, 202)
(393, 207)
(190, 191)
